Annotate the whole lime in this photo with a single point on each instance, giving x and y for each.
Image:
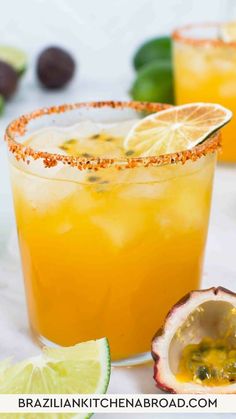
(2, 104)
(154, 83)
(153, 50)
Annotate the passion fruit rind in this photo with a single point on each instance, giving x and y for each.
(164, 377)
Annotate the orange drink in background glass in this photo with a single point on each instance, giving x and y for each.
(205, 70)
(108, 243)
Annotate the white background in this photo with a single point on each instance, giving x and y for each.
(102, 34)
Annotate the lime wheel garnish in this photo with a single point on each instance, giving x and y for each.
(176, 129)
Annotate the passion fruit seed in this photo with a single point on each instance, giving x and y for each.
(204, 345)
(230, 371)
(95, 137)
(8, 80)
(71, 141)
(104, 182)
(93, 178)
(55, 67)
(66, 146)
(129, 152)
(87, 155)
(203, 373)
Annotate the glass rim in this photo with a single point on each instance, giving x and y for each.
(24, 153)
(178, 35)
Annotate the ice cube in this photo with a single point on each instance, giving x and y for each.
(64, 227)
(43, 194)
(121, 227)
(119, 129)
(144, 191)
(46, 139)
(189, 210)
(227, 89)
(144, 182)
(50, 137)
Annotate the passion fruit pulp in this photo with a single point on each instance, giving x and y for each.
(195, 351)
(210, 362)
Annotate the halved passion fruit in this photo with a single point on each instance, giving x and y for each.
(195, 350)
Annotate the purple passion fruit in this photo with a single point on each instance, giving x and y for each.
(8, 80)
(55, 67)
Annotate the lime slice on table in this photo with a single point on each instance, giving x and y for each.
(14, 57)
(228, 31)
(175, 129)
(80, 369)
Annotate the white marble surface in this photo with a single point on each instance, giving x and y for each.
(220, 266)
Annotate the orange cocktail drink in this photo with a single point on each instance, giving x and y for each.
(108, 243)
(205, 70)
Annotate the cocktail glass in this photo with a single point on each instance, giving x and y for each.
(205, 70)
(107, 244)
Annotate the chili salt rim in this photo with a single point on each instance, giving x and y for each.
(24, 153)
(178, 35)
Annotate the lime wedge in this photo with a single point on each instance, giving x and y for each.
(2, 104)
(83, 368)
(228, 31)
(176, 129)
(15, 57)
